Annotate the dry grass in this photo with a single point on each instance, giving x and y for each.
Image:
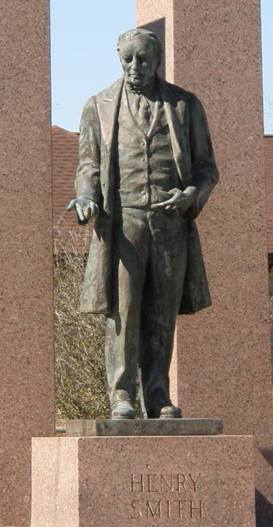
(79, 342)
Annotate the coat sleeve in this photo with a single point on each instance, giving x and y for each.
(204, 170)
(87, 182)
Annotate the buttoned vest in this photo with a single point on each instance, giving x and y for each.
(145, 169)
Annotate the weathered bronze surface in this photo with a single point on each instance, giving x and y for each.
(146, 170)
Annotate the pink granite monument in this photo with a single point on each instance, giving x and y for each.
(26, 372)
(212, 368)
(222, 367)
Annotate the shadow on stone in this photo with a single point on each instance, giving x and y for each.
(264, 511)
(267, 453)
(158, 27)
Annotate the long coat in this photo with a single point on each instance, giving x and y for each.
(95, 178)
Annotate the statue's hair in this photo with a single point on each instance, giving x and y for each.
(132, 33)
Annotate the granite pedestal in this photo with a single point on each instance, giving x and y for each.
(157, 481)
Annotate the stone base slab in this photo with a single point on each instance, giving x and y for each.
(143, 427)
(159, 481)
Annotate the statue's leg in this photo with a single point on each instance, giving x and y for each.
(161, 300)
(123, 328)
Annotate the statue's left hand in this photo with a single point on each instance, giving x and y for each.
(180, 200)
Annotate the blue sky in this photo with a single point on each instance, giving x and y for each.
(78, 53)
(267, 47)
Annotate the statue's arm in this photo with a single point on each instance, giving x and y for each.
(87, 181)
(204, 170)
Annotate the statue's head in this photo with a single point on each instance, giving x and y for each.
(140, 54)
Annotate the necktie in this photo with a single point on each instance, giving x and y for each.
(141, 111)
(144, 114)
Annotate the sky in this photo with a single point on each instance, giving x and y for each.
(83, 52)
(83, 63)
(267, 54)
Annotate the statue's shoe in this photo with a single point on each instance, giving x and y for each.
(170, 412)
(165, 412)
(122, 410)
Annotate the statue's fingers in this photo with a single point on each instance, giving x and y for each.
(157, 206)
(71, 204)
(162, 204)
(172, 192)
(175, 192)
(170, 202)
(79, 212)
(86, 213)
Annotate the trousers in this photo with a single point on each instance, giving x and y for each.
(150, 256)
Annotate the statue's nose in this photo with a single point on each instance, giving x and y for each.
(135, 64)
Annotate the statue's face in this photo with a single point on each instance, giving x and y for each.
(139, 61)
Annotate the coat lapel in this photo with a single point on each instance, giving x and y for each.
(108, 105)
(175, 123)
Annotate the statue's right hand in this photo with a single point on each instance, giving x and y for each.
(85, 208)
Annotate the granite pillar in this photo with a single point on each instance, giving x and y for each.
(26, 372)
(223, 354)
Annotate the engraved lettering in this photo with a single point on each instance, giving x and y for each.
(151, 482)
(166, 484)
(174, 496)
(194, 481)
(168, 509)
(137, 512)
(173, 509)
(181, 481)
(183, 508)
(154, 510)
(180, 510)
(137, 484)
(196, 511)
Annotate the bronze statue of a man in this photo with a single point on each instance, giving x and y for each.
(146, 170)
